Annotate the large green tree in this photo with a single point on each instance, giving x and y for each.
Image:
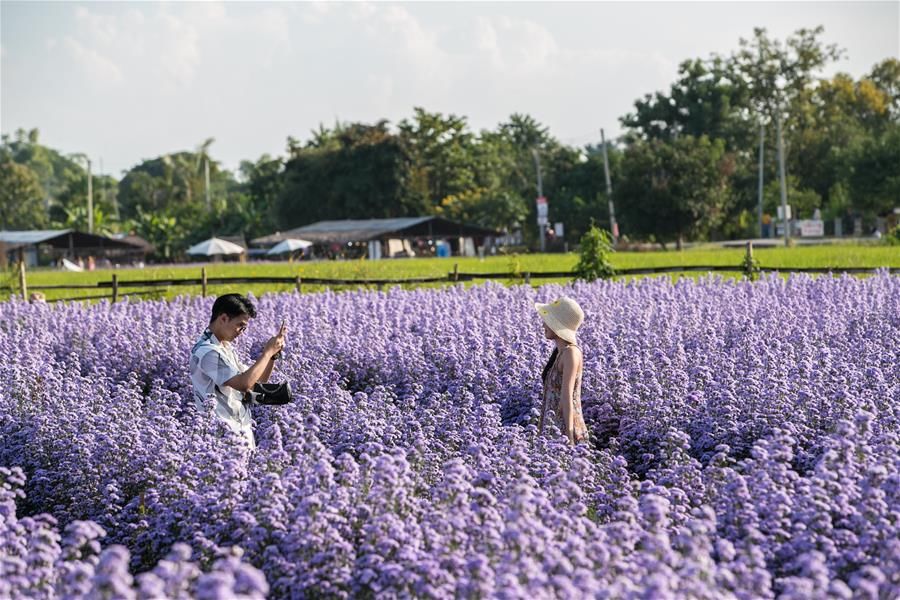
(21, 198)
(672, 190)
(875, 179)
(709, 98)
(361, 174)
(440, 154)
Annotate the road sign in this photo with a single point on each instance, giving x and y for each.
(542, 221)
(541, 200)
(542, 211)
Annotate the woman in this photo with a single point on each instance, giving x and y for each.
(561, 399)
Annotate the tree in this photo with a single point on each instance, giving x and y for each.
(672, 190)
(495, 209)
(886, 77)
(53, 170)
(263, 183)
(440, 154)
(164, 232)
(518, 139)
(709, 98)
(21, 198)
(777, 73)
(594, 255)
(365, 175)
(875, 179)
(832, 121)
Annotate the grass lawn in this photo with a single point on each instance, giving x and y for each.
(780, 257)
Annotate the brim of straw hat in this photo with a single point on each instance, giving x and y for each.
(547, 314)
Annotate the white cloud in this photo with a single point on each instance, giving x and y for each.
(518, 45)
(100, 68)
(177, 52)
(99, 27)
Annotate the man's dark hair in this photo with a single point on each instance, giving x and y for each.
(233, 305)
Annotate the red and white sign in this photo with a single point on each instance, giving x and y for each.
(541, 200)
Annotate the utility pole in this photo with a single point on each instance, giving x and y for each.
(542, 221)
(206, 172)
(90, 191)
(115, 196)
(613, 225)
(784, 210)
(759, 204)
(90, 199)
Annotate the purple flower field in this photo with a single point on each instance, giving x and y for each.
(745, 443)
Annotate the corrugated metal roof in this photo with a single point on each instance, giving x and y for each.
(373, 227)
(362, 230)
(347, 230)
(36, 236)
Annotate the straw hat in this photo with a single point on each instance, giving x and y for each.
(563, 316)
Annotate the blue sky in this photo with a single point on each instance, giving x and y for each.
(125, 81)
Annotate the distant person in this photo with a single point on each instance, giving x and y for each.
(561, 377)
(216, 372)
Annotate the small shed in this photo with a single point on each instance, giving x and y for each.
(47, 246)
(388, 237)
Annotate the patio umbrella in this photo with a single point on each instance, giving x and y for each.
(289, 245)
(214, 246)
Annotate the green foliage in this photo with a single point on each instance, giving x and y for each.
(750, 267)
(875, 182)
(514, 265)
(893, 236)
(21, 198)
(802, 201)
(53, 170)
(674, 189)
(594, 255)
(361, 174)
(709, 98)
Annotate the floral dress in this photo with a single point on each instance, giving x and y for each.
(552, 401)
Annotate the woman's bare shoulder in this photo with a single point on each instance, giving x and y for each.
(571, 355)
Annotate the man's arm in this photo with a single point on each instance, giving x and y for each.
(246, 380)
(262, 368)
(267, 372)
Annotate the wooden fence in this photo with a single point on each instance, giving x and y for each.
(115, 291)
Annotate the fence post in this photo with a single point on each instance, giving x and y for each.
(23, 284)
(203, 280)
(528, 277)
(115, 288)
(299, 285)
(455, 271)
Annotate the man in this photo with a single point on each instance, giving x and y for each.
(216, 372)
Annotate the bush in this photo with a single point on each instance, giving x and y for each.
(595, 249)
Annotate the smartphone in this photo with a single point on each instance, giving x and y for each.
(278, 354)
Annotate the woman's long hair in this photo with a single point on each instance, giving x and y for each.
(549, 364)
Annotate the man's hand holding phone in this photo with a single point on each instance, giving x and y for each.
(276, 344)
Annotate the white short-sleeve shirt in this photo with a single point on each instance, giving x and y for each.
(212, 364)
